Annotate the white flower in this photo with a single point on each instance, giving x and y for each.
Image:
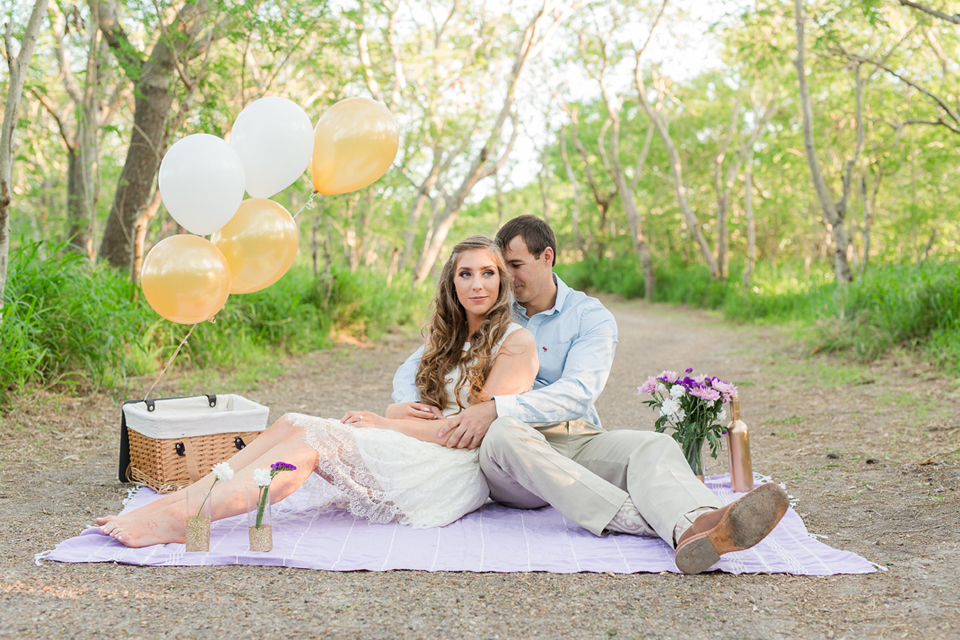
(677, 391)
(669, 407)
(261, 477)
(679, 415)
(662, 389)
(222, 471)
(710, 403)
(722, 415)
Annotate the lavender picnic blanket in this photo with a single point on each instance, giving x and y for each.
(493, 538)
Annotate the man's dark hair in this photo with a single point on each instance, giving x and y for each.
(536, 234)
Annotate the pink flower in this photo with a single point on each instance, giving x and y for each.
(728, 390)
(647, 387)
(700, 378)
(668, 376)
(705, 393)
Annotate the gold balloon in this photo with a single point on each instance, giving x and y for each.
(355, 142)
(260, 242)
(186, 279)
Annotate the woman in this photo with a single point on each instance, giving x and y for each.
(386, 469)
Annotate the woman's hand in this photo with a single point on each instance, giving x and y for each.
(365, 419)
(419, 410)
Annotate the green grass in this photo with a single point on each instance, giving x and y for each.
(66, 322)
(913, 307)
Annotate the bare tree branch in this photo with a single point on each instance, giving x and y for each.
(941, 102)
(955, 18)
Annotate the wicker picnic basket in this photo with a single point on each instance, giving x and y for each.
(170, 443)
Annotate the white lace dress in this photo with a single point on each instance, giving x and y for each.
(385, 476)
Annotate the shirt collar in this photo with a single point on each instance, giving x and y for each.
(562, 292)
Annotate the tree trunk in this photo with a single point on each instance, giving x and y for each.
(82, 151)
(602, 201)
(723, 186)
(154, 99)
(575, 209)
(140, 233)
(612, 161)
(834, 215)
(676, 170)
(545, 183)
(452, 206)
(17, 66)
(534, 37)
(155, 92)
(416, 209)
(751, 222)
(81, 211)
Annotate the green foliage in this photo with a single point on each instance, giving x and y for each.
(67, 322)
(64, 321)
(913, 307)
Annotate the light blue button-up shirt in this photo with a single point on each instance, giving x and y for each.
(576, 340)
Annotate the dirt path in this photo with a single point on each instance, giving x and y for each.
(875, 498)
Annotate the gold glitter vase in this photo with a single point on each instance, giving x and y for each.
(259, 518)
(198, 520)
(738, 450)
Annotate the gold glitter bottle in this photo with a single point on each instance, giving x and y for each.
(738, 449)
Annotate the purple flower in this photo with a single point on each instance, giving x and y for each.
(689, 370)
(647, 387)
(282, 466)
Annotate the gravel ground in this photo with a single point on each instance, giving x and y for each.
(888, 491)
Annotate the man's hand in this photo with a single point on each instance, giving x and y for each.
(418, 410)
(473, 424)
(364, 419)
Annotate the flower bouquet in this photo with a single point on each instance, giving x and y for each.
(259, 516)
(693, 408)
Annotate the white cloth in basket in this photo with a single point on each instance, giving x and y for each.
(191, 417)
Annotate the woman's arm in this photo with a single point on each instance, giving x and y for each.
(513, 373)
(515, 367)
(425, 430)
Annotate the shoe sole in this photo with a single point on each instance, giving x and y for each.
(748, 521)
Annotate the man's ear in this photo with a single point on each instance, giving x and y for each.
(547, 257)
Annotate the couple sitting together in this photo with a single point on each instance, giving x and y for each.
(498, 403)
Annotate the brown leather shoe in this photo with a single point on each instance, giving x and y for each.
(735, 527)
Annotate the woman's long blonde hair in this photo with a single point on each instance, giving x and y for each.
(447, 332)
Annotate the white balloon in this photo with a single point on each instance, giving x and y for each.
(274, 139)
(201, 183)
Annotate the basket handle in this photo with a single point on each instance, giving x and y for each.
(192, 470)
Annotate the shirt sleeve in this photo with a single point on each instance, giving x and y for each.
(585, 372)
(405, 379)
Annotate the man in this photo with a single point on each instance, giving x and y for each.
(547, 446)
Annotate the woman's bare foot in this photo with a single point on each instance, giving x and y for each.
(142, 530)
(150, 509)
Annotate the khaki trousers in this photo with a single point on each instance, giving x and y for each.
(587, 473)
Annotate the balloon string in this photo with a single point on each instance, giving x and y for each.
(309, 204)
(170, 361)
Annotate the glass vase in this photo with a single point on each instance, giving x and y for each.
(693, 452)
(259, 518)
(198, 520)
